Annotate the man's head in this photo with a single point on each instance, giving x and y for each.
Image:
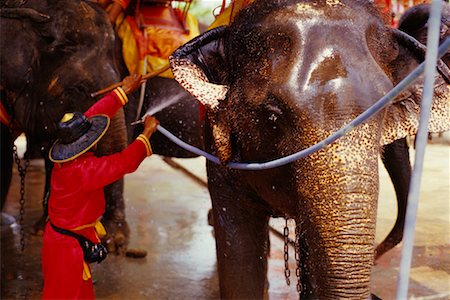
(76, 135)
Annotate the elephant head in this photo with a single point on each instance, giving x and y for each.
(54, 55)
(282, 77)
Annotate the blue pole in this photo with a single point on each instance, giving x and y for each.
(434, 23)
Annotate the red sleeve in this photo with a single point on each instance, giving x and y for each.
(108, 105)
(101, 171)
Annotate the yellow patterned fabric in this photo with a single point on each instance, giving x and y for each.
(228, 15)
(161, 42)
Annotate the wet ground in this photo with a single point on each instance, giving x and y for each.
(167, 213)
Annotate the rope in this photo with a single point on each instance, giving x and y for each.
(434, 23)
(374, 109)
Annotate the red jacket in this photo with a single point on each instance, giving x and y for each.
(77, 199)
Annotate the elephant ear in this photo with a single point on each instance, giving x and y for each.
(402, 117)
(200, 67)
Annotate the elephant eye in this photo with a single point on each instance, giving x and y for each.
(273, 111)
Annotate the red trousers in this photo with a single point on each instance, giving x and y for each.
(62, 265)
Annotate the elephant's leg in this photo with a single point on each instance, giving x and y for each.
(241, 239)
(397, 163)
(118, 232)
(7, 162)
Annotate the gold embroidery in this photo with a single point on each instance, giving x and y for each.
(122, 96)
(146, 142)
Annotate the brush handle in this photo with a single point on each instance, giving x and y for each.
(116, 85)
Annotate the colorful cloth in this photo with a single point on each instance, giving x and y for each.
(150, 38)
(76, 203)
(4, 117)
(393, 10)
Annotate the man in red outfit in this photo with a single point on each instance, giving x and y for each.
(76, 194)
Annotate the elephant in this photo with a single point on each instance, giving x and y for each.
(282, 77)
(38, 88)
(174, 107)
(54, 54)
(395, 156)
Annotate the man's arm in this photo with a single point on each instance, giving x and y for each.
(112, 102)
(101, 171)
(108, 105)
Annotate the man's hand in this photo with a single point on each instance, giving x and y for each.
(131, 83)
(150, 124)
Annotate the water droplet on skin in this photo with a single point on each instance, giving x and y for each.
(224, 209)
(273, 187)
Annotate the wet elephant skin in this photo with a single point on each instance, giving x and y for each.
(395, 156)
(54, 54)
(90, 51)
(287, 89)
(183, 117)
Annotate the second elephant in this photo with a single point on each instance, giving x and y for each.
(284, 76)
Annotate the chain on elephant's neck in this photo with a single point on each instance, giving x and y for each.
(296, 243)
(22, 170)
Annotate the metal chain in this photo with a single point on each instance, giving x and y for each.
(22, 172)
(287, 271)
(298, 271)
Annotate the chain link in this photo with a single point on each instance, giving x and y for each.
(287, 271)
(298, 271)
(22, 172)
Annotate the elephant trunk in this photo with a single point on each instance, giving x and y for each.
(345, 250)
(339, 203)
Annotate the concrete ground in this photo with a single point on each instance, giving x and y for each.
(167, 213)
